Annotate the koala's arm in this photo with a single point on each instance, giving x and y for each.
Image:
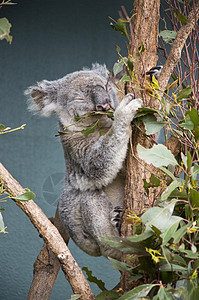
(102, 159)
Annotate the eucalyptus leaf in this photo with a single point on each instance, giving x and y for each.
(121, 26)
(118, 67)
(184, 94)
(25, 196)
(141, 237)
(194, 197)
(172, 267)
(194, 116)
(187, 124)
(158, 155)
(125, 245)
(168, 35)
(184, 159)
(168, 234)
(121, 266)
(160, 217)
(181, 18)
(167, 192)
(94, 279)
(181, 232)
(169, 173)
(151, 124)
(138, 292)
(107, 295)
(125, 78)
(5, 30)
(2, 127)
(153, 182)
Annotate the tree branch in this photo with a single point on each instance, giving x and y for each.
(177, 46)
(51, 236)
(46, 267)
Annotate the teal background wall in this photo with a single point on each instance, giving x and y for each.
(50, 39)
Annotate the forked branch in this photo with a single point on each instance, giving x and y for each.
(51, 236)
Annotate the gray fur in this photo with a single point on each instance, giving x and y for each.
(94, 180)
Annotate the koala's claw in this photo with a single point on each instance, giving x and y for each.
(116, 219)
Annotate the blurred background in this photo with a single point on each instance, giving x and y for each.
(50, 39)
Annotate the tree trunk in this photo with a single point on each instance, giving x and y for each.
(145, 32)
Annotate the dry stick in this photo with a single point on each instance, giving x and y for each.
(51, 236)
(177, 46)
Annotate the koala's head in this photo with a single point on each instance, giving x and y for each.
(75, 94)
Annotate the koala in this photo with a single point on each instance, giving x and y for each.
(91, 202)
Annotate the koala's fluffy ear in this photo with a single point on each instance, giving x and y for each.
(42, 98)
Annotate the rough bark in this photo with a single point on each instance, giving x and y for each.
(51, 236)
(145, 30)
(46, 267)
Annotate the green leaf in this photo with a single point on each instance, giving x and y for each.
(141, 237)
(194, 198)
(168, 173)
(107, 295)
(143, 111)
(163, 294)
(124, 245)
(138, 292)
(121, 266)
(181, 232)
(184, 94)
(5, 30)
(130, 64)
(187, 124)
(2, 127)
(25, 196)
(184, 159)
(94, 279)
(121, 26)
(159, 217)
(172, 267)
(189, 161)
(153, 182)
(125, 78)
(168, 35)
(2, 226)
(168, 234)
(141, 49)
(118, 67)
(194, 117)
(170, 189)
(158, 155)
(155, 83)
(151, 124)
(90, 130)
(181, 18)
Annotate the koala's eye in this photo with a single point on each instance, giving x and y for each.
(79, 99)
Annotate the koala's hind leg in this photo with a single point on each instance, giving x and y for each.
(71, 217)
(97, 215)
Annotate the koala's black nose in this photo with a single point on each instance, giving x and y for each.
(103, 106)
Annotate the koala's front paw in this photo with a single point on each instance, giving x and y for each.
(128, 107)
(116, 217)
